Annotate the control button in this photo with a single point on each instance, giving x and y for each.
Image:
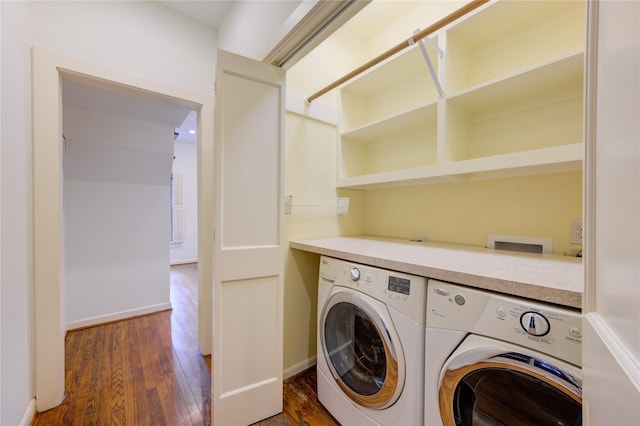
(575, 331)
(534, 323)
(442, 291)
(501, 312)
(459, 299)
(355, 274)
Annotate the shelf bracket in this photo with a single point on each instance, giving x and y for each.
(425, 54)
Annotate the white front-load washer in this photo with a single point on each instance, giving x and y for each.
(497, 360)
(370, 344)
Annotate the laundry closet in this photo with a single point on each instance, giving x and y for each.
(475, 129)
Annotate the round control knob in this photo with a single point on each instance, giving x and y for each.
(355, 274)
(575, 331)
(500, 311)
(459, 299)
(535, 323)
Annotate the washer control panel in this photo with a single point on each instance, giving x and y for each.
(404, 292)
(546, 328)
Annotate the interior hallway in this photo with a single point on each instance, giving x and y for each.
(148, 371)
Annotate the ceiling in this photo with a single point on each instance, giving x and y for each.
(94, 95)
(106, 98)
(208, 12)
(365, 24)
(377, 15)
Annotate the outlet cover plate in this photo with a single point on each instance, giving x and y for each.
(575, 231)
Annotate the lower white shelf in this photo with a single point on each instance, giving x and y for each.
(557, 159)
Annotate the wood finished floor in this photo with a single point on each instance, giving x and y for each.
(148, 371)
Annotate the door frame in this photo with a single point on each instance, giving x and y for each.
(49, 68)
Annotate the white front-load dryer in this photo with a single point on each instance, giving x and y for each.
(370, 344)
(500, 360)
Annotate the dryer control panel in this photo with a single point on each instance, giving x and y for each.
(545, 328)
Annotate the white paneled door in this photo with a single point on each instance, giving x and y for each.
(248, 238)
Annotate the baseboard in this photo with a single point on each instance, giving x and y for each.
(117, 316)
(299, 367)
(183, 262)
(29, 414)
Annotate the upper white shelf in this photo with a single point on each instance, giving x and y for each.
(557, 159)
(424, 115)
(407, 65)
(554, 79)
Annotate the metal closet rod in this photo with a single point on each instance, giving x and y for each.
(401, 46)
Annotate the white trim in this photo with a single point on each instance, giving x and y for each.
(183, 262)
(300, 367)
(116, 316)
(29, 413)
(1, 211)
(607, 354)
(297, 104)
(48, 67)
(589, 168)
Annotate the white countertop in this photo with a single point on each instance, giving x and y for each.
(544, 277)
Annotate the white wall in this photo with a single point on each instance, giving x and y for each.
(16, 387)
(117, 217)
(185, 164)
(143, 38)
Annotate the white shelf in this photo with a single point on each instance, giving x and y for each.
(422, 116)
(557, 159)
(406, 66)
(553, 79)
(401, 84)
(513, 104)
(507, 36)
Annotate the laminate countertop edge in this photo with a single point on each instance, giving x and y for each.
(547, 278)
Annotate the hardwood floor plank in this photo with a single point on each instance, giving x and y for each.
(117, 405)
(148, 371)
(155, 408)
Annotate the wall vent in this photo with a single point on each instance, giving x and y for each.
(520, 244)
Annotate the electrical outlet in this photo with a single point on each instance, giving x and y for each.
(575, 231)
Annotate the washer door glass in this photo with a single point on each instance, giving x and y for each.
(362, 359)
(493, 393)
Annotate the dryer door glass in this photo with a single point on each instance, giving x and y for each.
(362, 352)
(510, 389)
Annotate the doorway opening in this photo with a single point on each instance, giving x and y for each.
(183, 193)
(118, 158)
(52, 75)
